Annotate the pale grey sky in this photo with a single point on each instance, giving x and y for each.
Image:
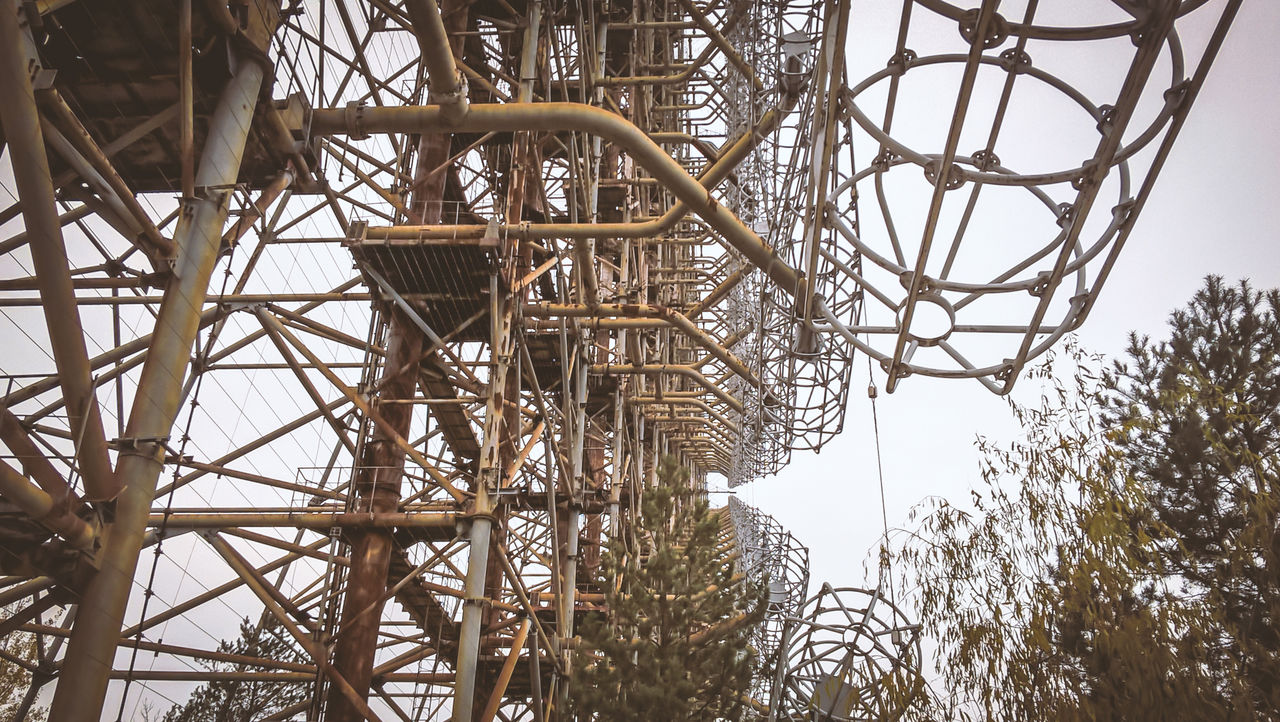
(1214, 210)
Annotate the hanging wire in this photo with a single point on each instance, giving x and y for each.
(885, 565)
(149, 591)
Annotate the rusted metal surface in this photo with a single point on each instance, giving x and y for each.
(408, 298)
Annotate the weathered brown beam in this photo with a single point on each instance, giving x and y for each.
(31, 174)
(732, 154)
(35, 464)
(319, 654)
(221, 470)
(304, 520)
(504, 676)
(283, 349)
(21, 238)
(182, 608)
(260, 206)
(395, 437)
(96, 634)
(247, 299)
(40, 506)
(677, 369)
(644, 311)
(25, 589)
(207, 676)
(156, 245)
(261, 441)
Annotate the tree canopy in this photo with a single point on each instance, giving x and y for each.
(1119, 561)
(18, 651)
(1199, 416)
(245, 701)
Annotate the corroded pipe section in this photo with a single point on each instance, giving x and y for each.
(646, 311)
(315, 520)
(448, 85)
(37, 503)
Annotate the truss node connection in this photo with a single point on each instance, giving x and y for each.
(364, 325)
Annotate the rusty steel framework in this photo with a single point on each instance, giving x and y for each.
(368, 320)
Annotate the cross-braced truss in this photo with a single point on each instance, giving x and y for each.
(367, 321)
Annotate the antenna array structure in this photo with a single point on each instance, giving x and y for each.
(365, 323)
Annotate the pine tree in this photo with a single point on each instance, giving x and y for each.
(674, 645)
(1201, 416)
(244, 701)
(1123, 560)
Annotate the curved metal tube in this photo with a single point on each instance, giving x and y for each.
(448, 85)
(550, 117)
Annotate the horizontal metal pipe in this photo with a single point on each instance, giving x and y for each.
(640, 310)
(164, 675)
(32, 283)
(247, 299)
(394, 520)
(550, 117)
(724, 163)
(698, 403)
(25, 589)
(686, 371)
(213, 676)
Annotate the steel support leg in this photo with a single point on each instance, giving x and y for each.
(378, 487)
(472, 616)
(21, 123)
(474, 600)
(83, 683)
(569, 590)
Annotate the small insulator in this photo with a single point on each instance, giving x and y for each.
(872, 391)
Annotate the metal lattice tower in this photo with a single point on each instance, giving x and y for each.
(368, 321)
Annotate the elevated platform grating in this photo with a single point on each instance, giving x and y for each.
(445, 280)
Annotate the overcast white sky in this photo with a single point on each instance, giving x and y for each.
(1214, 210)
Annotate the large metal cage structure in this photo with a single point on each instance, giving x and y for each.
(367, 321)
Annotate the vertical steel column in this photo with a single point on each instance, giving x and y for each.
(502, 346)
(473, 609)
(831, 65)
(378, 491)
(569, 574)
(89, 658)
(370, 552)
(448, 85)
(21, 123)
(434, 149)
